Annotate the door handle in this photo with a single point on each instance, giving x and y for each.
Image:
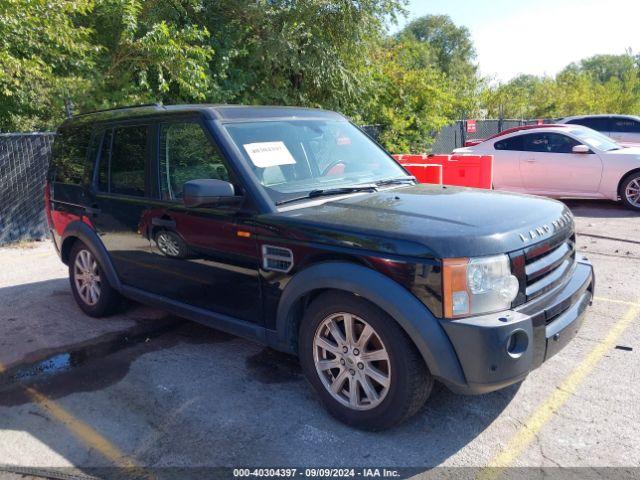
(530, 160)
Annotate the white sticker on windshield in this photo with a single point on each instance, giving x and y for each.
(269, 154)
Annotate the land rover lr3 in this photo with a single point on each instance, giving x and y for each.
(292, 227)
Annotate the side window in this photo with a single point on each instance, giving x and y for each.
(559, 143)
(123, 160)
(626, 125)
(70, 154)
(600, 124)
(548, 143)
(535, 142)
(186, 153)
(513, 143)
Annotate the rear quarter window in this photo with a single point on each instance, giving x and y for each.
(600, 124)
(512, 143)
(625, 125)
(69, 155)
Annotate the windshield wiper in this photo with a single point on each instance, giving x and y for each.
(365, 187)
(392, 181)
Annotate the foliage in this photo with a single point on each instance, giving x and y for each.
(451, 45)
(408, 95)
(600, 84)
(93, 53)
(335, 54)
(42, 55)
(146, 55)
(305, 52)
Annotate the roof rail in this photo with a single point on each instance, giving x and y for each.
(156, 104)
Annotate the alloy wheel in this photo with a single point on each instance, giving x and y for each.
(87, 277)
(352, 361)
(632, 192)
(168, 244)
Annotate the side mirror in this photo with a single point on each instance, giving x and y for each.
(197, 193)
(581, 149)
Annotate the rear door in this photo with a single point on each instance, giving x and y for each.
(549, 167)
(121, 195)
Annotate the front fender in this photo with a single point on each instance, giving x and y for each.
(83, 232)
(415, 319)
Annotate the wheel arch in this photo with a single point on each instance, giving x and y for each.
(624, 177)
(413, 317)
(80, 231)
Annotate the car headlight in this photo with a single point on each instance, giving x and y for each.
(480, 285)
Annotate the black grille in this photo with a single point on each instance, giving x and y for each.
(547, 264)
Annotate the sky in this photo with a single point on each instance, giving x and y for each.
(538, 37)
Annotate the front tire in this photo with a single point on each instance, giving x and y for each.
(363, 366)
(171, 245)
(90, 287)
(630, 191)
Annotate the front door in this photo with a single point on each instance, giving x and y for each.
(205, 257)
(549, 167)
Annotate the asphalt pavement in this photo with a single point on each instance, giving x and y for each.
(144, 389)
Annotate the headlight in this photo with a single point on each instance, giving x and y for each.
(477, 285)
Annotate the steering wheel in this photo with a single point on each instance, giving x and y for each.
(332, 165)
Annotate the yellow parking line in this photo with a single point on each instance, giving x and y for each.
(85, 433)
(81, 430)
(541, 416)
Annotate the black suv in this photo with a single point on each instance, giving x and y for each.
(292, 227)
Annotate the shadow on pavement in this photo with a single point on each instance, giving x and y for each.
(186, 395)
(600, 209)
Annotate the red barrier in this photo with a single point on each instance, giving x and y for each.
(461, 170)
(425, 172)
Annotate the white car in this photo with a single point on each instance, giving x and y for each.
(563, 161)
(622, 128)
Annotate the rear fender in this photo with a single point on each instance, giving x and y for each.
(78, 230)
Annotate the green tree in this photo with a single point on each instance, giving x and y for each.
(603, 68)
(412, 101)
(451, 44)
(305, 52)
(599, 84)
(94, 53)
(43, 56)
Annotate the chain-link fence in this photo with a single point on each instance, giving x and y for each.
(454, 136)
(24, 158)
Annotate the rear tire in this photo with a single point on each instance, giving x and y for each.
(630, 191)
(90, 287)
(371, 384)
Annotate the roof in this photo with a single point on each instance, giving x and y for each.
(528, 127)
(599, 115)
(220, 112)
(474, 142)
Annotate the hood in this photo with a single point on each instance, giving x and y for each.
(631, 150)
(431, 221)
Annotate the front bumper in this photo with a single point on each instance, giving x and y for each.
(498, 350)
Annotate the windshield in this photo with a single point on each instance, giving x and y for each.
(594, 139)
(296, 157)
